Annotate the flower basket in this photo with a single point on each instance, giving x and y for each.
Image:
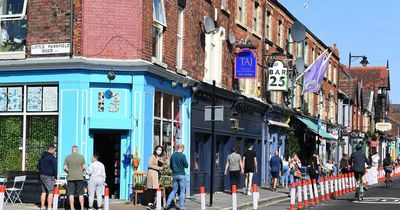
(135, 162)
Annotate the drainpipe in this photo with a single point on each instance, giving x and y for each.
(263, 166)
(71, 29)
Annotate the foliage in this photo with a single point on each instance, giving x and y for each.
(10, 144)
(166, 181)
(292, 145)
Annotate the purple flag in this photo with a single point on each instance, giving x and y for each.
(321, 73)
(311, 78)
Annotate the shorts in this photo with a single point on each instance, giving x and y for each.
(275, 174)
(249, 170)
(48, 183)
(75, 187)
(358, 175)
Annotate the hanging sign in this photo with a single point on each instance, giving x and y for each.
(245, 65)
(277, 77)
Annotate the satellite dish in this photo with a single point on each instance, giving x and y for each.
(299, 65)
(232, 38)
(278, 64)
(298, 32)
(209, 25)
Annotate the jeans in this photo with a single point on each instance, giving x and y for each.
(285, 175)
(179, 182)
(234, 178)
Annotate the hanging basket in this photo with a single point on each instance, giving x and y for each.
(136, 163)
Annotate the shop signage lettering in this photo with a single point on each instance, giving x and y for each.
(43, 49)
(114, 103)
(245, 65)
(277, 77)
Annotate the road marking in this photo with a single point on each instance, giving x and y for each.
(379, 200)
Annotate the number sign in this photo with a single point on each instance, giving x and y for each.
(245, 65)
(277, 79)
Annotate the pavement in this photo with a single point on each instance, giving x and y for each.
(378, 197)
(221, 201)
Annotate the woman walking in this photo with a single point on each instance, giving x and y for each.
(235, 167)
(153, 175)
(97, 174)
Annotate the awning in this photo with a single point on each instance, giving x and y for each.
(314, 128)
(276, 123)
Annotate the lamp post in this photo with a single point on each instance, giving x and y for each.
(364, 62)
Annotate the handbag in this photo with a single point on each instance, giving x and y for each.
(297, 174)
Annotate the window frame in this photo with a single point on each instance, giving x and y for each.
(163, 13)
(268, 17)
(180, 34)
(279, 33)
(158, 52)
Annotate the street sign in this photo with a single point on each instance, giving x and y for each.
(245, 65)
(277, 77)
(383, 126)
(219, 113)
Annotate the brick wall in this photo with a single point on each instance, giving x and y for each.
(112, 29)
(47, 22)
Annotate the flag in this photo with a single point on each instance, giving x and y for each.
(312, 71)
(321, 74)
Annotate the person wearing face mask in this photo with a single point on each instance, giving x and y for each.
(153, 175)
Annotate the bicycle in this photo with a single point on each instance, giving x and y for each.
(388, 178)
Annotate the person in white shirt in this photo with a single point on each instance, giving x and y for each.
(375, 160)
(97, 178)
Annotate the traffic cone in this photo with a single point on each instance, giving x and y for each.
(336, 187)
(255, 197)
(327, 197)
(292, 196)
(203, 197)
(315, 191)
(234, 198)
(55, 198)
(305, 194)
(299, 198)
(354, 181)
(332, 188)
(321, 183)
(106, 198)
(312, 201)
(2, 191)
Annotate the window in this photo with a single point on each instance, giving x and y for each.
(256, 18)
(241, 14)
(225, 5)
(268, 25)
(28, 124)
(12, 29)
(167, 123)
(288, 44)
(279, 38)
(248, 87)
(332, 108)
(310, 103)
(299, 52)
(313, 55)
(330, 72)
(159, 22)
(214, 55)
(335, 75)
(321, 105)
(179, 50)
(306, 52)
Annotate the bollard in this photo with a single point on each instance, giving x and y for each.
(256, 196)
(340, 185)
(343, 185)
(305, 194)
(299, 198)
(350, 183)
(2, 191)
(292, 196)
(312, 202)
(314, 182)
(336, 188)
(332, 189)
(321, 183)
(234, 198)
(158, 199)
(55, 198)
(346, 180)
(327, 197)
(106, 198)
(203, 197)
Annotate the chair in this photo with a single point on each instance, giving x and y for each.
(138, 177)
(13, 193)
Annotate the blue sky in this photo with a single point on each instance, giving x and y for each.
(362, 27)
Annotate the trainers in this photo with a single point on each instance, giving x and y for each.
(249, 193)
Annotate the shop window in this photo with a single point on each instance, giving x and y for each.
(167, 123)
(43, 99)
(10, 144)
(12, 29)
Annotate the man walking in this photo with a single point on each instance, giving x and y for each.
(47, 167)
(276, 167)
(178, 163)
(250, 167)
(74, 165)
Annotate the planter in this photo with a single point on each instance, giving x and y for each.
(136, 163)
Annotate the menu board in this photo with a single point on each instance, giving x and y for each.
(14, 99)
(50, 99)
(3, 99)
(34, 99)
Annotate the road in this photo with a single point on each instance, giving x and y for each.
(377, 198)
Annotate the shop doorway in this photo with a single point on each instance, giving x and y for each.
(108, 146)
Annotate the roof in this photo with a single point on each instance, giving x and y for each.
(373, 77)
(314, 128)
(395, 108)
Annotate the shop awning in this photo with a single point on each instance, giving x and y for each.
(276, 123)
(314, 128)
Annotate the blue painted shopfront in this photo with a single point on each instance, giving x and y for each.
(89, 103)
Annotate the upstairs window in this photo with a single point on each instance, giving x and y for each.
(179, 35)
(279, 38)
(268, 25)
(12, 29)
(159, 12)
(159, 22)
(256, 18)
(241, 12)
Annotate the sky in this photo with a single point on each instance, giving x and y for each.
(359, 27)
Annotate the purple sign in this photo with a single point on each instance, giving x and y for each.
(245, 64)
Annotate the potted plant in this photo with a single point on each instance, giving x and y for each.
(135, 161)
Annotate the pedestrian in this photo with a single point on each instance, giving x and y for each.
(47, 167)
(276, 167)
(398, 160)
(153, 175)
(295, 166)
(178, 163)
(250, 167)
(74, 165)
(235, 166)
(285, 172)
(314, 168)
(344, 164)
(97, 174)
(375, 159)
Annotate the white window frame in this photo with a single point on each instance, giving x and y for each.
(306, 53)
(159, 51)
(256, 18)
(279, 33)
(241, 12)
(214, 56)
(14, 16)
(335, 75)
(179, 35)
(164, 22)
(268, 18)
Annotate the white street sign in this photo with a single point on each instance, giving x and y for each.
(383, 126)
(277, 77)
(55, 48)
